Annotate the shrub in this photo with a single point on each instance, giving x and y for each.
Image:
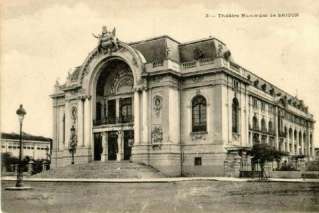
(312, 166)
(7, 160)
(287, 167)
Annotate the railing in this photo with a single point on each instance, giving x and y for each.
(205, 61)
(189, 65)
(255, 128)
(263, 130)
(114, 120)
(200, 62)
(158, 63)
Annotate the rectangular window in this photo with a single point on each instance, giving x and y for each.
(111, 116)
(126, 110)
(255, 103)
(198, 161)
(263, 106)
(235, 85)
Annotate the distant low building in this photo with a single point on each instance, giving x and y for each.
(35, 147)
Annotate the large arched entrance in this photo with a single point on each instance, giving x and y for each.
(113, 111)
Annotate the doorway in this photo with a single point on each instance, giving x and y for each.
(112, 145)
(128, 143)
(98, 149)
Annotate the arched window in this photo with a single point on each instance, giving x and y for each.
(199, 114)
(290, 133)
(263, 125)
(304, 138)
(270, 127)
(235, 116)
(255, 123)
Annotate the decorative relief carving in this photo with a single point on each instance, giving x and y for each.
(108, 42)
(122, 78)
(86, 64)
(73, 143)
(220, 50)
(157, 104)
(74, 114)
(199, 136)
(157, 137)
(235, 137)
(197, 79)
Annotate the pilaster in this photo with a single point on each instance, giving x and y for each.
(104, 146)
(80, 123)
(136, 117)
(145, 116)
(120, 144)
(67, 124)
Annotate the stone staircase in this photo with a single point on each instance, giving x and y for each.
(109, 169)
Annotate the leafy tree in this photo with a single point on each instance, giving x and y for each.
(7, 160)
(263, 153)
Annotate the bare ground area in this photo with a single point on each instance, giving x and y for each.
(188, 196)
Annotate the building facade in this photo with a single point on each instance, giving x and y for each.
(35, 147)
(184, 108)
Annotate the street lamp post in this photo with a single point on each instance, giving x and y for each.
(19, 184)
(21, 113)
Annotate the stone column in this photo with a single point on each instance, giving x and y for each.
(55, 126)
(308, 144)
(67, 124)
(103, 146)
(276, 128)
(302, 146)
(293, 143)
(80, 123)
(90, 123)
(136, 117)
(144, 115)
(119, 145)
(87, 121)
(117, 110)
(34, 151)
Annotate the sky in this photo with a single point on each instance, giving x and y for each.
(40, 41)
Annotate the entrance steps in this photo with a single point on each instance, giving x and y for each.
(97, 169)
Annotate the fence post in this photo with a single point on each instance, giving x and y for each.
(30, 167)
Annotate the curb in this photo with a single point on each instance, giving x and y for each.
(158, 180)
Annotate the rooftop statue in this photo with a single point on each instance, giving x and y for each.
(108, 41)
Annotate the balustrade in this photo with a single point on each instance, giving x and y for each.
(114, 120)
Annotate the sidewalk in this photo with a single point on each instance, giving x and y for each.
(158, 180)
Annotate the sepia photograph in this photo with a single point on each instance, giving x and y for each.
(159, 106)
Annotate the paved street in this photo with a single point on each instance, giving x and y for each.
(186, 196)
